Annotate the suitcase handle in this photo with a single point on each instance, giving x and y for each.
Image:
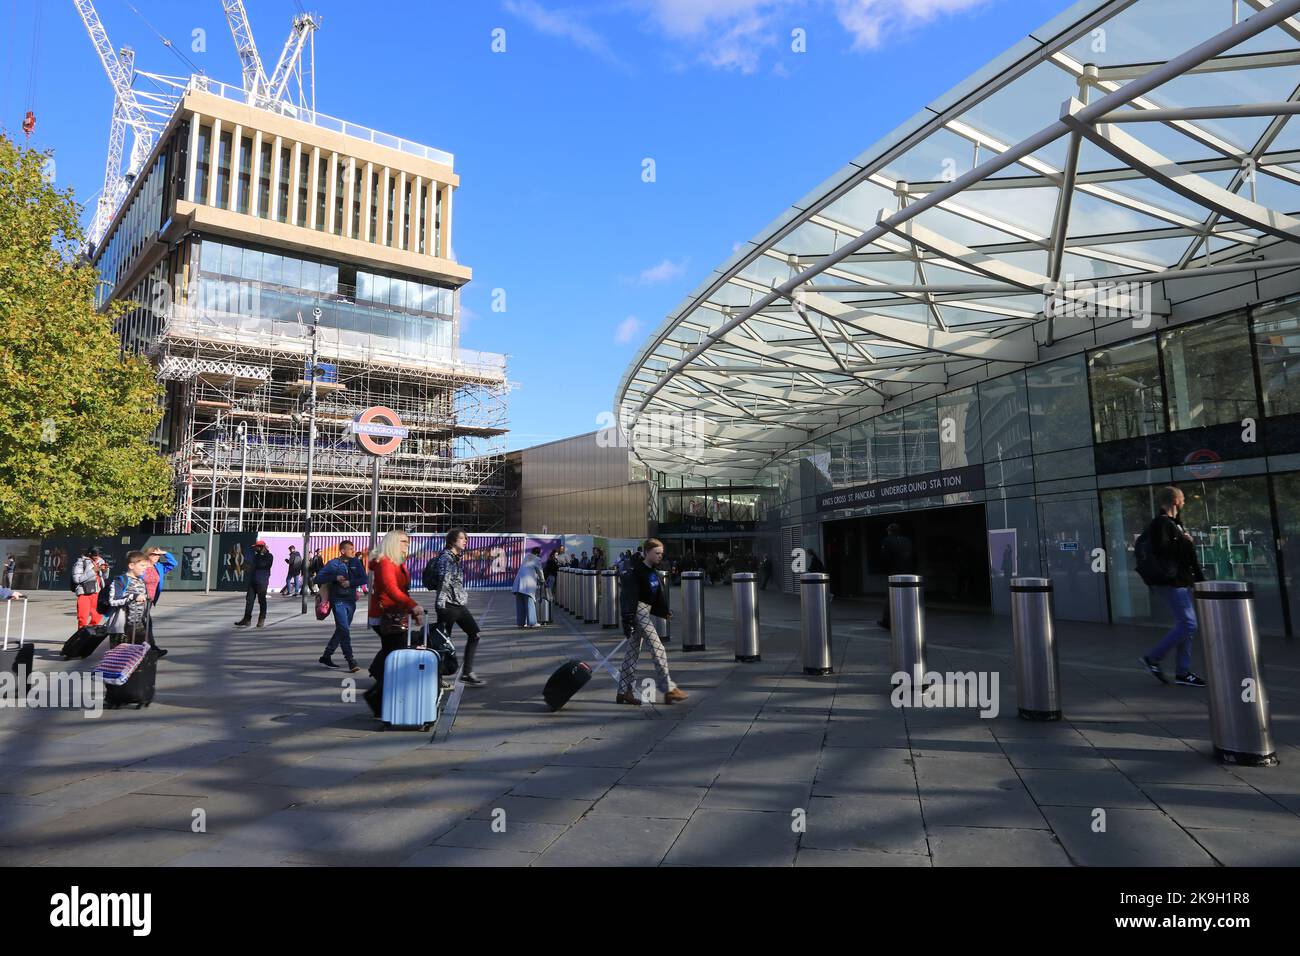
(22, 635)
(425, 631)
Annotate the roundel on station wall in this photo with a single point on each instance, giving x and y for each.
(379, 430)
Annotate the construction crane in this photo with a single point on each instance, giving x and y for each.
(272, 92)
(127, 113)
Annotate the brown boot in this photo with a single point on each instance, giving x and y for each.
(628, 699)
(674, 695)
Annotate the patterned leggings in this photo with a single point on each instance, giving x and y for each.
(644, 632)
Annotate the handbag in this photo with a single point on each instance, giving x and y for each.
(323, 604)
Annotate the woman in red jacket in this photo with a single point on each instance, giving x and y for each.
(390, 604)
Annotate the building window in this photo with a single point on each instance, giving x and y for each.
(223, 171)
(322, 190)
(202, 167)
(304, 187)
(356, 204)
(437, 224)
(421, 216)
(264, 181)
(1209, 373)
(340, 195)
(1127, 397)
(245, 173)
(391, 207)
(286, 171)
(1277, 341)
(374, 207)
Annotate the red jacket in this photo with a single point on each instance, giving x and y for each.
(388, 592)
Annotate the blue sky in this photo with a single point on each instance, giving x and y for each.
(550, 135)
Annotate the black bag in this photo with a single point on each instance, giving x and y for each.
(1151, 568)
(102, 605)
(432, 580)
(83, 643)
(139, 687)
(566, 682)
(19, 656)
(440, 643)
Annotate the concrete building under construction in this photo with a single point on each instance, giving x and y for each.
(254, 223)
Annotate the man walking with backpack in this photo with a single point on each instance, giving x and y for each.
(1166, 560)
(448, 583)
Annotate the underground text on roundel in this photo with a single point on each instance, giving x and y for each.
(76, 909)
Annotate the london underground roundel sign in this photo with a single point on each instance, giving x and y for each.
(379, 430)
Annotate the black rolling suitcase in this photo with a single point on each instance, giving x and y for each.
(83, 643)
(21, 656)
(139, 687)
(566, 682)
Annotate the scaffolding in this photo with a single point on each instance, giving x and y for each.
(237, 393)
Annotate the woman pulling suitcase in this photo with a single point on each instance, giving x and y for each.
(390, 604)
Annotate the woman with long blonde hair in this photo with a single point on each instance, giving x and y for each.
(390, 605)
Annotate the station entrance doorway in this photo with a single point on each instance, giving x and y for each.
(949, 550)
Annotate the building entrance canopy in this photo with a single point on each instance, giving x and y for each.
(1122, 148)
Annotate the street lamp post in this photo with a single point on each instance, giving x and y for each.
(311, 444)
(243, 469)
(212, 507)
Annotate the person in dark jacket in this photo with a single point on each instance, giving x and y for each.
(815, 563)
(452, 602)
(896, 555)
(765, 569)
(551, 571)
(314, 567)
(343, 575)
(1173, 546)
(258, 569)
(293, 577)
(651, 600)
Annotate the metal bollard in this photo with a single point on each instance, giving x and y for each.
(663, 626)
(1239, 720)
(609, 599)
(907, 625)
(562, 588)
(815, 622)
(692, 611)
(1033, 637)
(744, 603)
(590, 606)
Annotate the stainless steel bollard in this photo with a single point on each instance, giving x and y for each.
(1239, 721)
(907, 625)
(692, 611)
(562, 586)
(663, 626)
(1033, 637)
(590, 608)
(609, 599)
(815, 622)
(744, 604)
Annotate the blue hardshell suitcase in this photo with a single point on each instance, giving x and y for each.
(411, 686)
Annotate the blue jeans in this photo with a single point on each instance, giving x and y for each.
(525, 610)
(293, 584)
(343, 612)
(1179, 602)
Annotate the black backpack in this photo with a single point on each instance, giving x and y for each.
(106, 593)
(1151, 568)
(432, 579)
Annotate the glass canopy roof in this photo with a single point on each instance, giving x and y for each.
(1123, 146)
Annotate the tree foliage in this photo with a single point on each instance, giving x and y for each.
(76, 415)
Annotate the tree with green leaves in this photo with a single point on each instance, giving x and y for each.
(76, 415)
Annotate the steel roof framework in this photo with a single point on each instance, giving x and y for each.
(1144, 177)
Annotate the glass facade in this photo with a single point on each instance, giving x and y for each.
(1073, 451)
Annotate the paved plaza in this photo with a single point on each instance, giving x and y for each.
(762, 766)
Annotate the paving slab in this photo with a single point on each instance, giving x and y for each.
(612, 840)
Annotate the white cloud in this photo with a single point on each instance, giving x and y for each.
(734, 34)
(871, 21)
(627, 330)
(562, 24)
(665, 271)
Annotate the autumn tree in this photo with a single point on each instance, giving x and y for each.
(76, 415)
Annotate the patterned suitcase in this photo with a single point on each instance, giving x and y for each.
(140, 684)
(411, 686)
(121, 662)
